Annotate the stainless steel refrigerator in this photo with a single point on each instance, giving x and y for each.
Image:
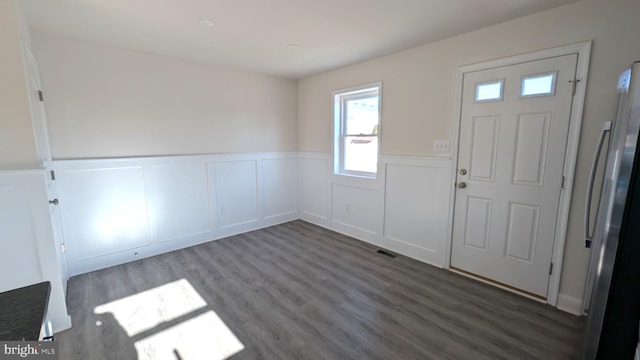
(613, 232)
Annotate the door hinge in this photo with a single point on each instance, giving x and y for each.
(40, 95)
(551, 269)
(53, 175)
(573, 83)
(64, 247)
(562, 185)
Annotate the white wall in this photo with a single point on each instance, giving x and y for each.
(17, 142)
(419, 91)
(105, 102)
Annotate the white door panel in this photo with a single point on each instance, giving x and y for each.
(484, 138)
(522, 232)
(478, 219)
(512, 151)
(531, 149)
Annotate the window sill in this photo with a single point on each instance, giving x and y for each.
(358, 176)
(356, 181)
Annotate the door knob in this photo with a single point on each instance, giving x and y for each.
(462, 185)
(54, 202)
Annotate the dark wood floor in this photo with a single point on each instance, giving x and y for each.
(298, 291)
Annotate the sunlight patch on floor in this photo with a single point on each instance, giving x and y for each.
(146, 310)
(203, 337)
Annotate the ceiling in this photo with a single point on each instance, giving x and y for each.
(256, 34)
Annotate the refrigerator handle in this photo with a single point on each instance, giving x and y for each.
(588, 235)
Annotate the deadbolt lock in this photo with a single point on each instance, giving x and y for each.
(463, 171)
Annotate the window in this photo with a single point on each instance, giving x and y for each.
(538, 85)
(356, 131)
(489, 91)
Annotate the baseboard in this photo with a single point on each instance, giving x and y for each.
(396, 246)
(158, 248)
(570, 304)
(62, 327)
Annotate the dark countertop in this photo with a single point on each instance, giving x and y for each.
(22, 312)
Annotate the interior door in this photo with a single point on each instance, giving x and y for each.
(41, 133)
(513, 134)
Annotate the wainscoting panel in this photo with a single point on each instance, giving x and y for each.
(354, 207)
(314, 194)
(279, 179)
(29, 253)
(104, 210)
(20, 259)
(119, 210)
(179, 200)
(236, 192)
(417, 208)
(406, 209)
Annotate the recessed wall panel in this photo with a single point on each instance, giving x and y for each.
(180, 199)
(19, 256)
(478, 219)
(354, 207)
(236, 192)
(107, 209)
(315, 187)
(484, 143)
(522, 232)
(412, 212)
(280, 181)
(531, 149)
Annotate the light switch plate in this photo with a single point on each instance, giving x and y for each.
(441, 145)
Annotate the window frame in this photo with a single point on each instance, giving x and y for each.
(489, 82)
(340, 99)
(554, 83)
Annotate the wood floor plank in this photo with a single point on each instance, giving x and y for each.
(298, 291)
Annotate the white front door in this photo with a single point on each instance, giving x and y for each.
(513, 134)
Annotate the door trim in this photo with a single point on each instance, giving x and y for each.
(583, 49)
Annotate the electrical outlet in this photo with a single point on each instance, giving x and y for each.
(441, 145)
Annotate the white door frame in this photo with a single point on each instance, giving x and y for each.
(41, 131)
(583, 49)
